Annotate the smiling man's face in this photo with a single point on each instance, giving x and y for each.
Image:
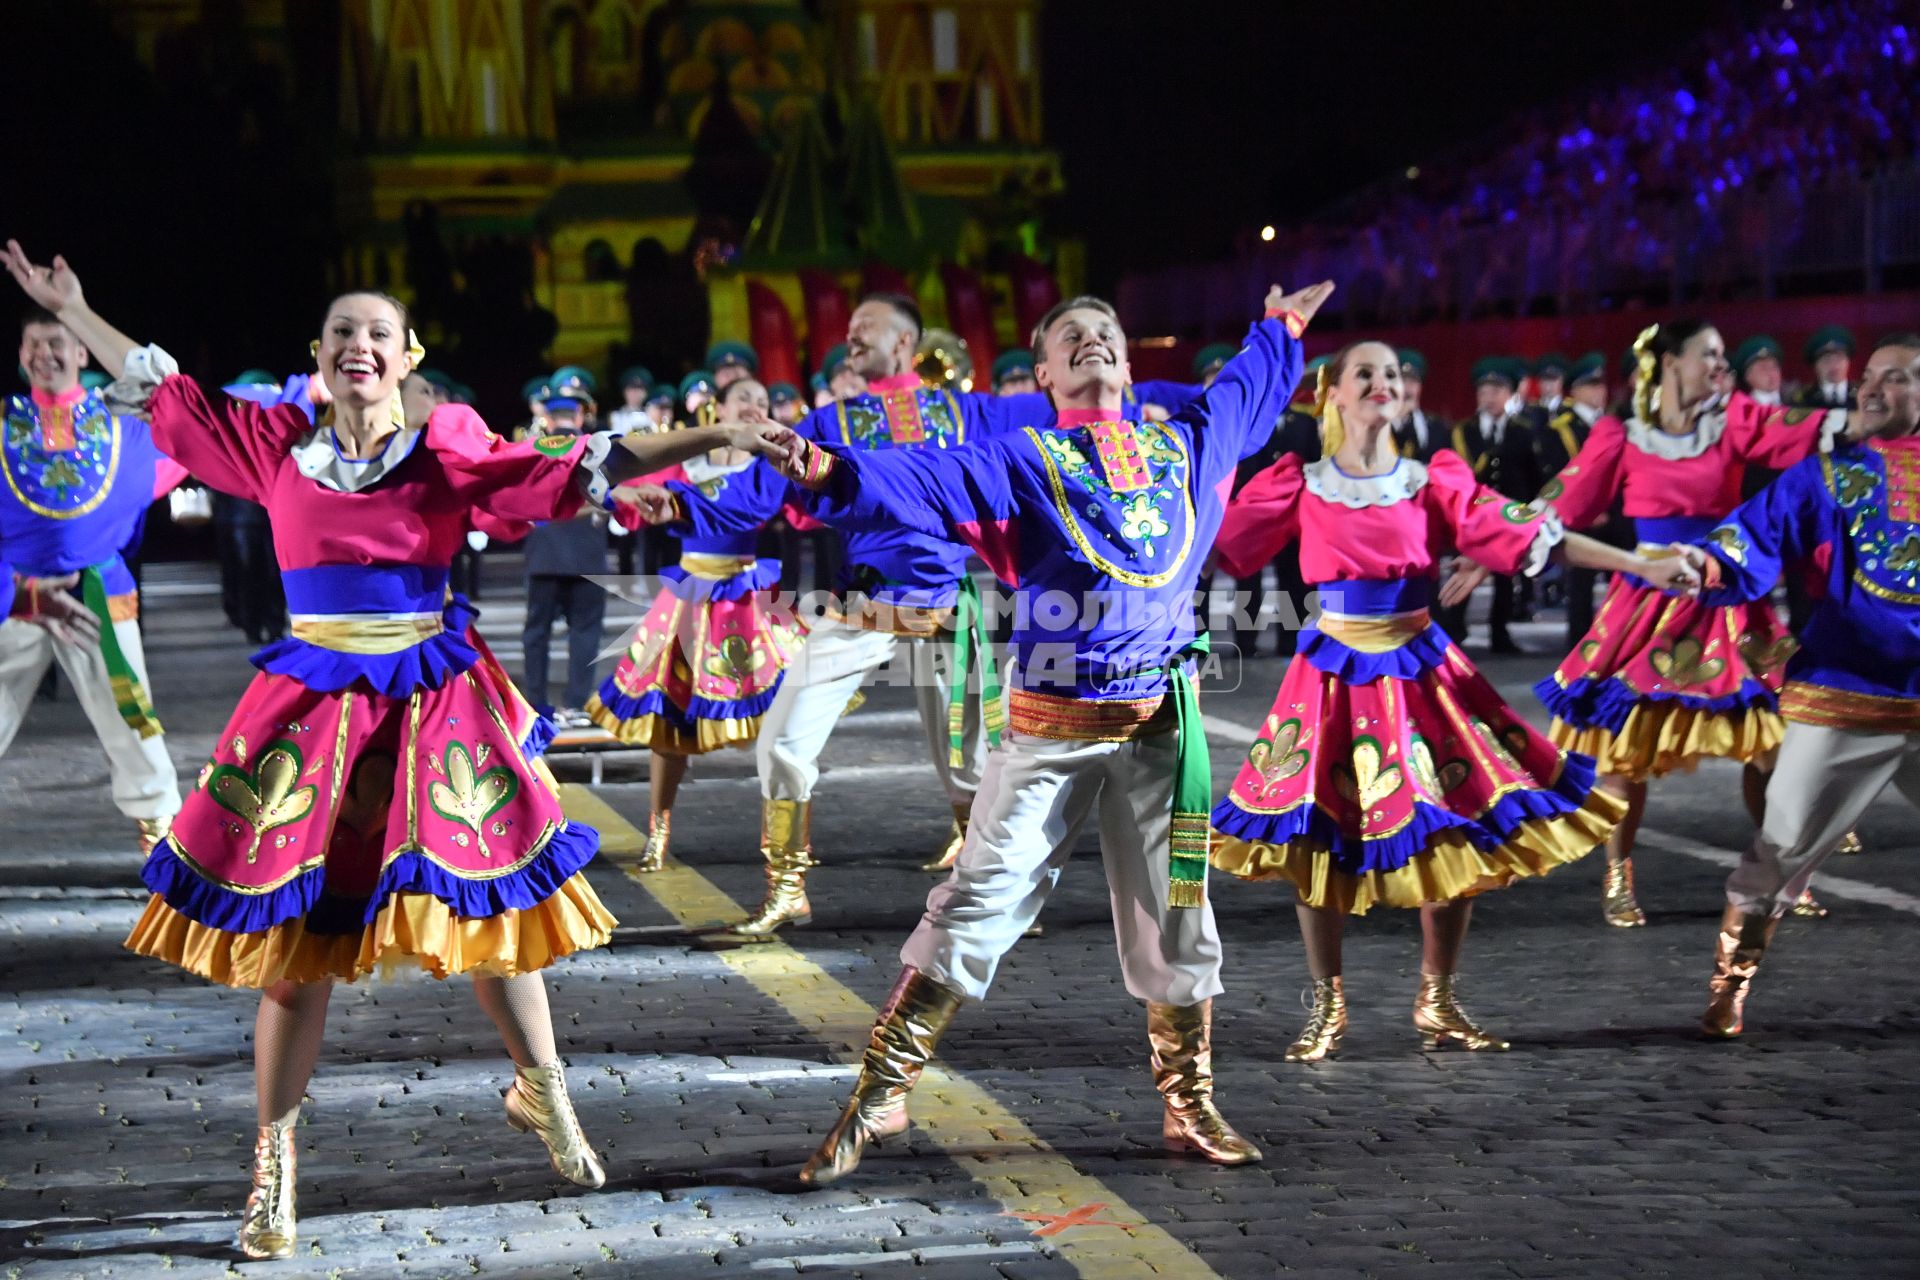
(1082, 352)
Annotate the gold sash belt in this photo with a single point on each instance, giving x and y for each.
(714, 568)
(1044, 715)
(1374, 633)
(893, 619)
(368, 634)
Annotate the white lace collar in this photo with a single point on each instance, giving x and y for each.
(701, 468)
(317, 457)
(1329, 483)
(1708, 422)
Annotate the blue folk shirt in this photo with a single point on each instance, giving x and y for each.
(1101, 524)
(1855, 514)
(78, 481)
(893, 565)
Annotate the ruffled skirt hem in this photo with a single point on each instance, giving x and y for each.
(411, 930)
(1662, 737)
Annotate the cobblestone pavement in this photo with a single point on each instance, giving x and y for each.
(1610, 1141)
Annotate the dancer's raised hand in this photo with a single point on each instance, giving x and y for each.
(1302, 302)
(638, 504)
(55, 288)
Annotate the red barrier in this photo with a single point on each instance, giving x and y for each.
(771, 326)
(970, 315)
(1034, 290)
(1451, 349)
(827, 313)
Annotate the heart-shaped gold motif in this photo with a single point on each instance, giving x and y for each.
(1273, 755)
(1435, 782)
(1587, 649)
(1683, 663)
(1367, 783)
(737, 659)
(267, 796)
(1766, 657)
(470, 799)
(1505, 743)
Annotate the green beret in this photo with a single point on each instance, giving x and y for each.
(460, 393)
(437, 377)
(1414, 360)
(638, 376)
(830, 363)
(818, 382)
(1018, 360)
(1759, 346)
(1550, 364)
(1830, 337)
(1496, 369)
(1314, 365)
(1591, 367)
(578, 374)
(782, 393)
(662, 394)
(532, 388)
(732, 353)
(94, 380)
(1212, 356)
(255, 378)
(698, 380)
(567, 387)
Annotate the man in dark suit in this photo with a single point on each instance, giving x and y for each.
(1419, 433)
(1830, 352)
(1565, 434)
(1298, 432)
(1498, 444)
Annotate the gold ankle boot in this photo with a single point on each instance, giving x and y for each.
(1808, 905)
(916, 1014)
(1737, 953)
(956, 841)
(267, 1227)
(786, 844)
(1182, 1040)
(1327, 1025)
(1851, 843)
(538, 1103)
(152, 832)
(1618, 904)
(654, 856)
(1439, 1019)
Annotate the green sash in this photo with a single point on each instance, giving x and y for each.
(1192, 788)
(136, 708)
(970, 636)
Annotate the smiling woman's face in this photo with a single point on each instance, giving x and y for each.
(1083, 347)
(1369, 390)
(363, 349)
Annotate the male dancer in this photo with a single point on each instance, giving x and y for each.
(1116, 516)
(1852, 697)
(78, 480)
(903, 590)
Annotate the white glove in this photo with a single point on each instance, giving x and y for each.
(477, 540)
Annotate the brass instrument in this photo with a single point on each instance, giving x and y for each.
(942, 360)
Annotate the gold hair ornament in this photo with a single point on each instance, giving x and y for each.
(1333, 430)
(1646, 393)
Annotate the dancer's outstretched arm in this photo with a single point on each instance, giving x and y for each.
(57, 289)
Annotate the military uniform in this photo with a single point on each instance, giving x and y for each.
(1500, 451)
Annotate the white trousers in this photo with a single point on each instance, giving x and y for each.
(144, 782)
(1036, 796)
(829, 669)
(1822, 784)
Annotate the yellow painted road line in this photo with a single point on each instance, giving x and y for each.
(617, 835)
(986, 1140)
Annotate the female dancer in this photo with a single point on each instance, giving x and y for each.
(1389, 770)
(1661, 682)
(369, 803)
(708, 657)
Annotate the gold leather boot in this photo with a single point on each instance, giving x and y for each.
(538, 1103)
(1327, 1025)
(1808, 905)
(916, 1014)
(654, 856)
(1737, 953)
(1182, 1040)
(786, 844)
(1618, 905)
(152, 832)
(1439, 1019)
(267, 1226)
(1851, 843)
(956, 841)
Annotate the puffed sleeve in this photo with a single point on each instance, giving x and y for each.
(529, 480)
(1587, 486)
(1779, 436)
(1262, 518)
(237, 446)
(1504, 536)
